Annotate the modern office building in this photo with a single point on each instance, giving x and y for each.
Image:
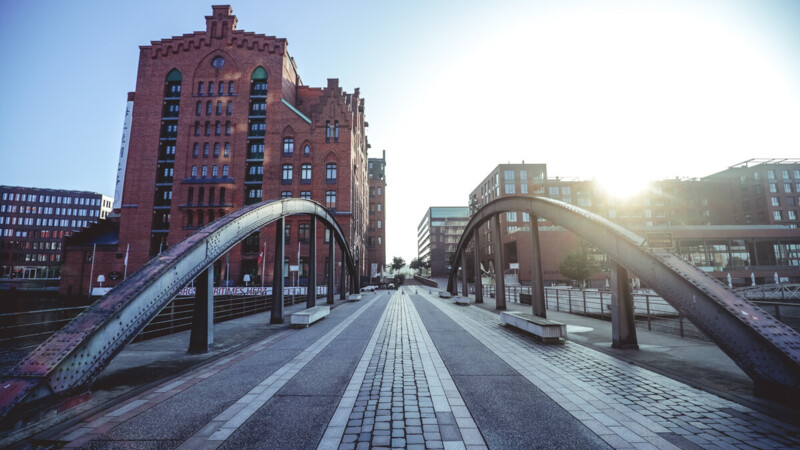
(221, 119)
(438, 234)
(376, 232)
(33, 225)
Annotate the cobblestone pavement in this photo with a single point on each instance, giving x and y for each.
(627, 406)
(402, 395)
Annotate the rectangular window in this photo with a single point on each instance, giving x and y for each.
(553, 190)
(776, 201)
(380, 224)
(330, 173)
(791, 215)
(225, 171)
(286, 194)
(787, 188)
(194, 171)
(306, 195)
(508, 174)
(330, 199)
(216, 150)
(523, 188)
(214, 171)
(205, 150)
(205, 171)
(227, 149)
(510, 188)
(288, 146)
(526, 217)
(379, 207)
(230, 88)
(773, 187)
(286, 174)
(785, 174)
(511, 216)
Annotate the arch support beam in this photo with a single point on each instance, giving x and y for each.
(276, 313)
(623, 325)
(478, 273)
(311, 290)
(202, 338)
(499, 273)
(71, 358)
(537, 278)
(763, 347)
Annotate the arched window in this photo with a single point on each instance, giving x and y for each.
(288, 146)
(194, 171)
(200, 194)
(216, 149)
(330, 173)
(197, 128)
(227, 149)
(258, 83)
(205, 171)
(199, 107)
(230, 88)
(336, 131)
(305, 174)
(221, 89)
(189, 219)
(217, 128)
(230, 107)
(190, 196)
(227, 128)
(196, 150)
(210, 215)
(173, 87)
(219, 107)
(208, 108)
(213, 172)
(210, 88)
(224, 171)
(222, 192)
(307, 150)
(200, 88)
(199, 218)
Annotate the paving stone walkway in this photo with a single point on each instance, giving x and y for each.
(625, 405)
(377, 374)
(405, 397)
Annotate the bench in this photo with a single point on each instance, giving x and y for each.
(308, 316)
(445, 294)
(354, 297)
(550, 332)
(463, 301)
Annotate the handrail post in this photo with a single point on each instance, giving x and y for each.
(311, 289)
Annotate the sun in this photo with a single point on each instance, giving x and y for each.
(623, 186)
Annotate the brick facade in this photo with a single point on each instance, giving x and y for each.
(220, 120)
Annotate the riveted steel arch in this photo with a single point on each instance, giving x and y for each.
(72, 357)
(767, 350)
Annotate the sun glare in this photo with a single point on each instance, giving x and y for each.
(623, 187)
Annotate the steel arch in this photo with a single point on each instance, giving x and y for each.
(767, 350)
(72, 357)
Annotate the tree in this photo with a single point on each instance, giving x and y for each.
(578, 265)
(416, 264)
(398, 263)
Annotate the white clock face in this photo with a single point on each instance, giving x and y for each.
(218, 62)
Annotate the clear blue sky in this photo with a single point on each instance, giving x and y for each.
(618, 90)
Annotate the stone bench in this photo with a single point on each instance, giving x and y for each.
(308, 316)
(550, 332)
(462, 301)
(354, 297)
(445, 294)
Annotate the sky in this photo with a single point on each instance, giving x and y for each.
(622, 91)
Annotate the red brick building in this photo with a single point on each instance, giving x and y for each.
(221, 119)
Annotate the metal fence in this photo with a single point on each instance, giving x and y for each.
(21, 332)
(650, 310)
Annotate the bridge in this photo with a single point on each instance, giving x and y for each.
(766, 349)
(68, 361)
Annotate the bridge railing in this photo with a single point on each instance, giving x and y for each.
(650, 310)
(20, 332)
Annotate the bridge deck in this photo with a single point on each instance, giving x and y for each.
(415, 370)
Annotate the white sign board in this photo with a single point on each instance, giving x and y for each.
(514, 266)
(294, 268)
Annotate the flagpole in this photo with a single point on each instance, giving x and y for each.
(91, 273)
(124, 277)
(263, 261)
